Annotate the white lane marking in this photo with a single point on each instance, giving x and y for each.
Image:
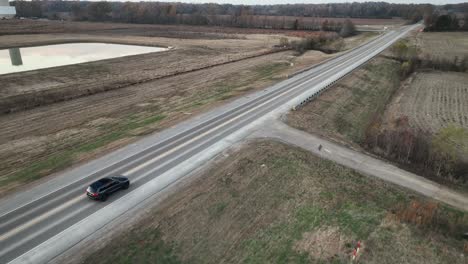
(37, 233)
(36, 220)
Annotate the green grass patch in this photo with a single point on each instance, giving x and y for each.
(217, 210)
(40, 168)
(270, 71)
(237, 83)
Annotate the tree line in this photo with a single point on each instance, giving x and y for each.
(325, 17)
(337, 10)
(446, 22)
(217, 14)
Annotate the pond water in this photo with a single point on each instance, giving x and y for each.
(33, 58)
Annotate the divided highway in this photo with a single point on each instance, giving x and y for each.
(28, 220)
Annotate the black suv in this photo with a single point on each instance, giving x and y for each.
(101, 189)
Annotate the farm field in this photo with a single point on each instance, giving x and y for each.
(441, 45)
(371, 105)
(432, 100)
(66, 115)
(63, 83)
(181, 31)
(267, 202)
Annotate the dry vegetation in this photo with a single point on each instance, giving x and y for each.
(425, 125)
(445, 45)
(272, 203)
(57, 84)
(113, 102)
(422, 125)
(42, 140)
(26, 26)
(344, 111)
(432, 100)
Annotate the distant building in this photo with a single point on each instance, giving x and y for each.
(6, 11)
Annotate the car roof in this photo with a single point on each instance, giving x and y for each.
(100, 182)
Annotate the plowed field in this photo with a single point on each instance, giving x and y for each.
(433, 100)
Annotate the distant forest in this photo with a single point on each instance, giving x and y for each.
(291, 16)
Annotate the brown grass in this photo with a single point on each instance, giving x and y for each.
(271, 203)
(344, 111)
(441, 45)
(421, 214)
(432, 100)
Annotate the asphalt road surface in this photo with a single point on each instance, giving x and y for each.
(29, 220)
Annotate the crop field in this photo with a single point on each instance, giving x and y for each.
(182, 31)
(267, 202)
(433, 100)
(442, 45)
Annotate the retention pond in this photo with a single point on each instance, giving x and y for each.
(39, 57)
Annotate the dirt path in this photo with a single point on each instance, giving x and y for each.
(363, 163)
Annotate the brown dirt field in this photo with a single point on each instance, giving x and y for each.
(431, 100)
(27, 26)
(271, 203)
(344, 111)
(64, 83)
(443, 45)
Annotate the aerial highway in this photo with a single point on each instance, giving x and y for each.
(38, 224)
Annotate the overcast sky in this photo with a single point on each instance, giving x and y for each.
(271, 2)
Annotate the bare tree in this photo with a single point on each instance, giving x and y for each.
(347, 29)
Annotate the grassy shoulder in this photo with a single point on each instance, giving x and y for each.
(344, 111)
(273, 203)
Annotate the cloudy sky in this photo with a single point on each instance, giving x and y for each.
(270, 2)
